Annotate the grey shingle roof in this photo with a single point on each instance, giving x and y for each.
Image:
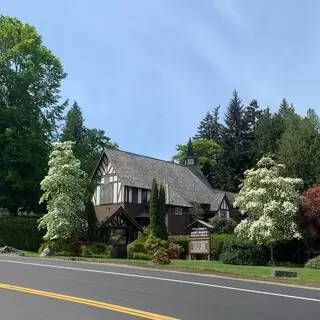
(182, 185)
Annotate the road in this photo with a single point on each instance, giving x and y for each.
(34, 289)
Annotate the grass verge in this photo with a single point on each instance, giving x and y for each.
(306, 277)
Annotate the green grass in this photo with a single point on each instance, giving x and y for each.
(305, 275)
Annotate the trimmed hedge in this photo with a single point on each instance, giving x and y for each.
(20, 232)
(243, 253)
(218, 242)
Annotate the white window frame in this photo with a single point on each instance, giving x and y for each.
(178, 211)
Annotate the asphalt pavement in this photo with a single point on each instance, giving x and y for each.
(34, 289)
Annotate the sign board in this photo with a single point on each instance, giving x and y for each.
(199, 242)
(199, 232)
(199, 246)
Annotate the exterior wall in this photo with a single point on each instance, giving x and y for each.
(136, 195)
(176, 223)
(108, 179)
(104, 211)
(224, 210)
(136, 210)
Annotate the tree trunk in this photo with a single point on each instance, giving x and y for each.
(271, 254)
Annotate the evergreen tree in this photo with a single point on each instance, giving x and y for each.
(299, 148)
(252, 115)
(209, 127)
(163, 233)
(234, 157)
(89, 143)
(270, 128)
(154, 208)
(75, 130)
(157, 211)
(266, 135)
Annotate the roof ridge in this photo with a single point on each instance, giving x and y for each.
(144, 156)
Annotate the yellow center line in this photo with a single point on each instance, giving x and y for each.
(92, 303)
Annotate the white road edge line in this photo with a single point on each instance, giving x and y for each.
(163, 279)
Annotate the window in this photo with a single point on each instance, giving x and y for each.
(223, 213)
(109, 192)
(135, 195)
(106, 191)
(102, 194)
(190, 162)
(178, 211)
(144, 196)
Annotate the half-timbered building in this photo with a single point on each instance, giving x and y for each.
(125, 185)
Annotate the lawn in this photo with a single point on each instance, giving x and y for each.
(305, 276)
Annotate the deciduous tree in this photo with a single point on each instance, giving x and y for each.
(30, 80)
(64, 192)
(310, 212)
(205, 151)
(271, 203)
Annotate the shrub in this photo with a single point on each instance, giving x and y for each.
(243, 253)
(141, 256)
(98, 250)
(182, 241)
(313, 263)
(20, 232)
(65, 254)
(147, 245)
(61, 247)
(223, 225)
(218, 241)
(294, 251)
(161, 257)
(137, 246)
(174, 251)
(56, 245)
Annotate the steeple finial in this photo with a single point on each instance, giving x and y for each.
(190, 158)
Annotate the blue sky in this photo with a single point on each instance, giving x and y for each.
(146, 71)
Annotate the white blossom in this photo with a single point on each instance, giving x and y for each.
(64, 193)
(271, 203)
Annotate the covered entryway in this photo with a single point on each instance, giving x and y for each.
(119, 230)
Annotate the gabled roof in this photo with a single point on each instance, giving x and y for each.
(231, 196)
(200, 222)
(124, 215)
(183, 184)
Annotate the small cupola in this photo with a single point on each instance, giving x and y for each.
(190, 157)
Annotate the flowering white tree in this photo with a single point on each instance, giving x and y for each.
(271, 203)
(64, 190)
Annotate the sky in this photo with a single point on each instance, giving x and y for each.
(147, 71)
